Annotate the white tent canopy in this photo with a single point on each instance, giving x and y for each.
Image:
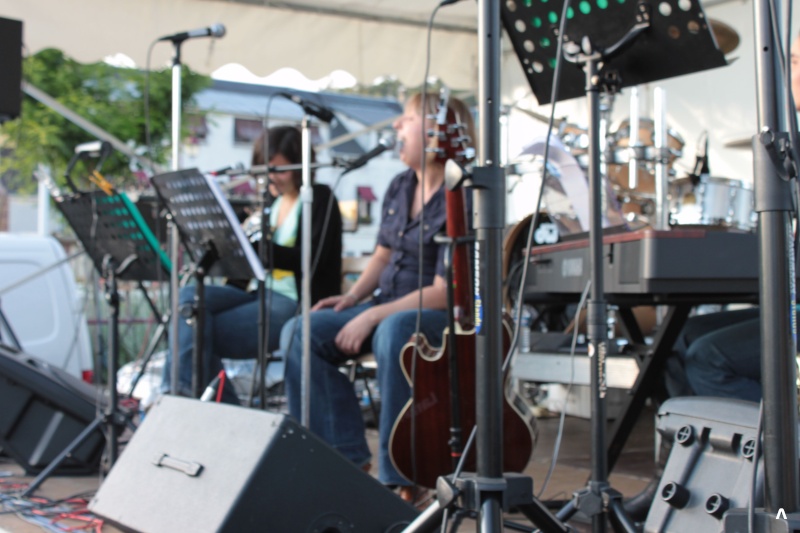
(368, 39)
(374, 38)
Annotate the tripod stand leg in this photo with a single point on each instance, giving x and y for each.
(619, 518)
(541, 516)
(55, 463)
(151, 348)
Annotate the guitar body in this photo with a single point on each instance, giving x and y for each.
(429, 457)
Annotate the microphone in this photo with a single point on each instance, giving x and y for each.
(386, 143)
(229, 170)
(217, 30)
(322, 113)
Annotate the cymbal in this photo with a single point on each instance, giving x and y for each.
(727, 38)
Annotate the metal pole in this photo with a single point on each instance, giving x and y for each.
(776, 274)
(489, 215)
(662, 157)
(596, 309)
(307, 197)
(174, 236)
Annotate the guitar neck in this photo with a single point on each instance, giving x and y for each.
(462, 273)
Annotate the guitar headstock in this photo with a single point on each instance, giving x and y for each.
(451, 141)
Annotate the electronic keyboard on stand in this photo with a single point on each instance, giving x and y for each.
(679, 269)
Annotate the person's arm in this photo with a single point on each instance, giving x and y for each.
(351, 337)
(290, 257)
(363, 287)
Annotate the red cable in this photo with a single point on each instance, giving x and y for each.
(221, 385)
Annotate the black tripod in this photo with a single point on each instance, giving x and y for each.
(121, 246)
(113, 419)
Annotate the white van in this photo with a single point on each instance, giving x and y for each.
(45, 312)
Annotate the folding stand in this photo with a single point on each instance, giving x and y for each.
(121, 246)
(621, 44)
(211, 232)
(114, 224)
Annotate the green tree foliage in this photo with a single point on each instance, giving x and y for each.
(110, 97)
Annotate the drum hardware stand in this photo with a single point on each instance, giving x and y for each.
(661, 147)
(773, 169)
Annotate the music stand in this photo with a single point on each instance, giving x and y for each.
(121, 246)
(211, 232)
(618, 44)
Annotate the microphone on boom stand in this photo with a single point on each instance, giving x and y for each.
(215, 30)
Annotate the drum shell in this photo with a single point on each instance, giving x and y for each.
(714, 201)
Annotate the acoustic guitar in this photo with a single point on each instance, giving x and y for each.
(422, 445)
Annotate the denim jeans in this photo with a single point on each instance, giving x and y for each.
(231, 331)
(335, 414)
(723, 357)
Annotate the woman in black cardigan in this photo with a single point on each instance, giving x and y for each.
(231, 314)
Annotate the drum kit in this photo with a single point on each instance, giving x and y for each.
(693, 200)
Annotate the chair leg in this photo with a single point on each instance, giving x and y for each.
(365, 378)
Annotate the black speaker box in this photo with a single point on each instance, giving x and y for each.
(710, 466)
(198, 466)
(10, 68)
(43, 409)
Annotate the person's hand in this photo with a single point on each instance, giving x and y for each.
(338, 302)
(352, 335)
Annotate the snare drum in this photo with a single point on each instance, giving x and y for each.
(712, 202)
(618, 155)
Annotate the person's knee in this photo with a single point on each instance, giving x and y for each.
(186, 295)
(392, 334)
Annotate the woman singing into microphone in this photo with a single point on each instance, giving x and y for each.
(231, 314)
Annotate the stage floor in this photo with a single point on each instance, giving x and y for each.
(632, 473)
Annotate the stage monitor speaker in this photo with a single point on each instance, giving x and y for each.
(10, 68)
(710, 465)
(43, 410)
(199, 466)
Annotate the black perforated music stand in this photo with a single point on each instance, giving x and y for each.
(677, 42)
(609, 44)
(211, 232)
(121, 246)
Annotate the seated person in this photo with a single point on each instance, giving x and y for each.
(344, 326)
(721, 356)
(231, 314)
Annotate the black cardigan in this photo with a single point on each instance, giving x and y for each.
(327, 279)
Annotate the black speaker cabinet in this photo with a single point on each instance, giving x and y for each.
(42, 410)
(710, 466)
(203, 467)
(10, 68)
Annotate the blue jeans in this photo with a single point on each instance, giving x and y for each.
(725, 361)
(231, 332)
(335, 414)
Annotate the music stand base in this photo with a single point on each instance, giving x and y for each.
(466, 494)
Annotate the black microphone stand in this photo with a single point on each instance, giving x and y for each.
(773, 170)
(265, 252)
